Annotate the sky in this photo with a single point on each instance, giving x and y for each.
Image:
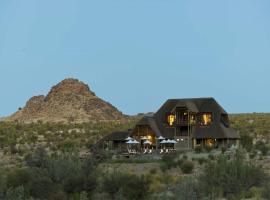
(137, 54)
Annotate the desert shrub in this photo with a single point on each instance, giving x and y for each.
(187, 167)
(16, 193)
(247, 142)
(81, 183)
(187, 189)
(185, 157)
(252, 154)
(111, 183)
(153, 171)
(83, 195)
(254, 192)
(135, 187)
(228, 178)
(18, 177)
(62, 167)
(261, 146)
(198, 149)
(168, 161)
(3, 185)
(13, 149)
(37, 158)
(266, 189)
(130, 186)
(223, 149)
(42, 187)
(201, 160)
(211, 157)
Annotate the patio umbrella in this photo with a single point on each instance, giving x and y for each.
(144, 138)
(173, 142)
(164, 142)
(128, 138)
(160, 138)
(135, 142)
(130, 142)
(147, 142)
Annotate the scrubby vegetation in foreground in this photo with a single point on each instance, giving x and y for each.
(52, 161)
(65, 176)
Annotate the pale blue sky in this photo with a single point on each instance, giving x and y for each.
(138, 53)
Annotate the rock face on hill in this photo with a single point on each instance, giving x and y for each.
(68, 101)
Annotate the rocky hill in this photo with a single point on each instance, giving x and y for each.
(68, 101)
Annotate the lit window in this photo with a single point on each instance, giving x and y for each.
(171, 119)
(205, 119)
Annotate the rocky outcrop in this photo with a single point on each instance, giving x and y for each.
(69, 101)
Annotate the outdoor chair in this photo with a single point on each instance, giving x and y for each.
(161, 151)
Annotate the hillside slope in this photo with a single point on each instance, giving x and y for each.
(68, 101)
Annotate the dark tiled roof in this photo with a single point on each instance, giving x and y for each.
(215, 130)
(157, 122)
(218, 131)
(150, 121)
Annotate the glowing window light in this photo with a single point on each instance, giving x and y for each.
(171, 119)
(206, 119)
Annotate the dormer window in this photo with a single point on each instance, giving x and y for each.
(205, 119)
(171, 119)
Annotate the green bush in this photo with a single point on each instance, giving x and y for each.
(18, 177)
(128, 186)
(266, 189)
(247, 142)
(37, 158)
(187, 167)
(187, 190)
(42, 187)
(227, 178)
(201, 160)
(223, 149)
(261, 146)
(15, 193)
(168, 162)
(198, 149)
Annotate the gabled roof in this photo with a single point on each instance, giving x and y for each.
(150, 121)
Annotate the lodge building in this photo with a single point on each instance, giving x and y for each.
(195, 122)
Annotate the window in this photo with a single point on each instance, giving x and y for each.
(205, 119)
(192, 119)
(171, 119)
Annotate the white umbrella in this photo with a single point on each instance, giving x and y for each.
(128, 138)
(173, 142)
(144, 138)
(160, 138)
(147, 142)
(164, 142)
(130, 142)
(135, 142)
